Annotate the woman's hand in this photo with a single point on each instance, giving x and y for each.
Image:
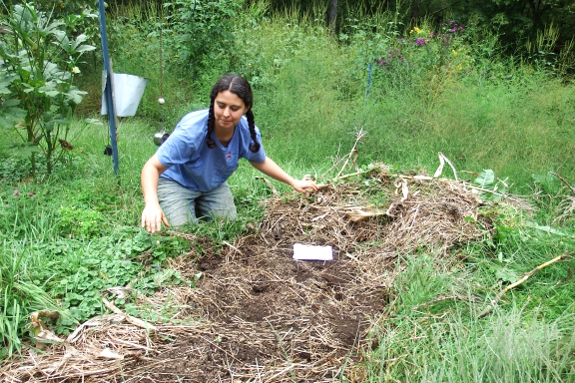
(271, 169)
(152, 218)
(304, 186)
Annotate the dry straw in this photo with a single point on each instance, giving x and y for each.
(257, 315)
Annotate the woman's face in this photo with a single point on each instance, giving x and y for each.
(228, 109)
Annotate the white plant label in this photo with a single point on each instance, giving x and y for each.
(312, 253)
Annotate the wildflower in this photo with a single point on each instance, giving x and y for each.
(76, 70)
(459, 67)
(431, 33)
(420, 41)
(417, 30)
(16, 192)
(452, 30)
(410, 32)
(454, 52)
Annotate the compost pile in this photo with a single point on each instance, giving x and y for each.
(256, 314)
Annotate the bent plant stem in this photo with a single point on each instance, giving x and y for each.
(489, 308)
(353, 153)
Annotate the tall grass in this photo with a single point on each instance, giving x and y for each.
(531, 340)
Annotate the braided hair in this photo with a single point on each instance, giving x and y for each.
(241, 88)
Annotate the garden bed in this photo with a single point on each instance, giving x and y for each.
(256, 314)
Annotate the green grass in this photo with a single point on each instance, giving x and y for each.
(71, 235)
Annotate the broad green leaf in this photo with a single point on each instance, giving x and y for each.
(85, 48)
(9, 103)
(486, 178)
(507, 275)
(10, 115)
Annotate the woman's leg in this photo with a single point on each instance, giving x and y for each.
(177, 202)
(217, 203)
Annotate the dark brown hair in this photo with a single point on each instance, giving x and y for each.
(241, 88)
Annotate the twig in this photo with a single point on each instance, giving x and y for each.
(489, 308)
(233, 247)
(269, 184)
(339, 178)
(565, 182)
(442, 161)
(133, 320)
(353, 153)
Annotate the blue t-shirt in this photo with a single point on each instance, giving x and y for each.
(190, 161)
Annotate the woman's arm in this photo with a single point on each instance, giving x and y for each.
(270, 168)
(152, 216)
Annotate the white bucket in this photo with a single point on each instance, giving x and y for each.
(128, 91)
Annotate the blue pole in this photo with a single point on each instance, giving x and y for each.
(108, 90)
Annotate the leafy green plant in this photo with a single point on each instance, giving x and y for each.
(39, 62)
(200, 34)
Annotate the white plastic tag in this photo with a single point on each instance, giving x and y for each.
(312, 253)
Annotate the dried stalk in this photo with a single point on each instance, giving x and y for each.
(135, 321)
(489, 308)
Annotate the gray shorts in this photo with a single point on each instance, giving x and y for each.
(182, 205)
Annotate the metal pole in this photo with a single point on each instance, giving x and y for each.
(108, 90)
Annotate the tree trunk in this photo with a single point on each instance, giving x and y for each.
(332, 16)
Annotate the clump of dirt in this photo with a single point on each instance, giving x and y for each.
(262, 316)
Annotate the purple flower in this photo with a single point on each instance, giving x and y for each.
(419, 41)
(452, 30)
(16, 192)
(431, 33)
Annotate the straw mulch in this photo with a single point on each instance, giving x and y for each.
(256, 315)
